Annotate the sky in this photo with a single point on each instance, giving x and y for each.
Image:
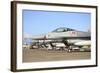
(40, 22)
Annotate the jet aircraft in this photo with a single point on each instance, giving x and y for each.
(66, 36)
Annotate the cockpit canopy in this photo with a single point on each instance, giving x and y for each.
(63, 29)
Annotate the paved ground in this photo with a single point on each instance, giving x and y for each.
(36, 55)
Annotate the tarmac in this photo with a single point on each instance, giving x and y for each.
(40, 55)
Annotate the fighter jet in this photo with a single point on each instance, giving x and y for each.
(63, 32)
(63, 35)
